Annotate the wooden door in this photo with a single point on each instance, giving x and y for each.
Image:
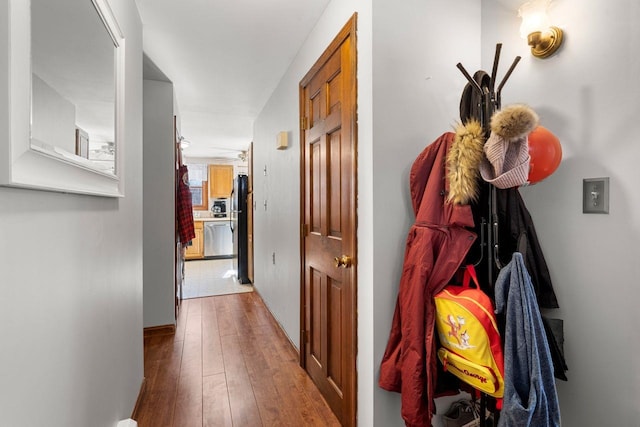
(328, 243)
(250, 167)
(250, 210)
(178, 254)
(250, 236)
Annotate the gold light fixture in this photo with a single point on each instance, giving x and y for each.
(536, 27)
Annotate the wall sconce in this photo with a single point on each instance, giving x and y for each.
(282, 140)
(536, 27)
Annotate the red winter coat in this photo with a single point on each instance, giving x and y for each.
(436, 246)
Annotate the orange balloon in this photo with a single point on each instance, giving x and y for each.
(546, 154)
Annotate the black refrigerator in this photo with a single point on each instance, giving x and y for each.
(239, 226)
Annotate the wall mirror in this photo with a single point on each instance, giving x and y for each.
(63, 60)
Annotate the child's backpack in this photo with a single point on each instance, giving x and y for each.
(471, 346)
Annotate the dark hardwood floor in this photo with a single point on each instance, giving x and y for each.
(228, 364)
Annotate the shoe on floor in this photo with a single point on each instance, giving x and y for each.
(461, 414)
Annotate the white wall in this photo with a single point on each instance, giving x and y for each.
(71, 285)
(587, 95)
(159, 204)
(416, 96)
(53, 117)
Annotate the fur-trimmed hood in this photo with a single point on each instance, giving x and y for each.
(463, 160)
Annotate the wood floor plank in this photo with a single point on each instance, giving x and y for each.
(262, 313)
(300, 406)
(238, 314)
(212, 361)
(226, 323)
(162, 371)
(244, 410)
(215, 397)
(158, 410)
(181, 321)
(268, 402)
(261, 377)
(315, 397)
(193, 324)
(229, 364)
(188, 410)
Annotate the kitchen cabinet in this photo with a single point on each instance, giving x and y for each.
(220, 181)
(196, 249)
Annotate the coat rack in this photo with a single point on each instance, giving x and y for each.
(489, 100)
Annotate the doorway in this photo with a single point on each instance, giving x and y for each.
(214, 269)
(328, 138)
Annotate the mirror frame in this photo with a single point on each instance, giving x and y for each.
(24, 165)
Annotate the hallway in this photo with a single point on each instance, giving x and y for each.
(228, 364)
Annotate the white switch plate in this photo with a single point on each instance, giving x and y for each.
(595, 195)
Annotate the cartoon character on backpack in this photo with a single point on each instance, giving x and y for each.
(464, 340)
(454, 327)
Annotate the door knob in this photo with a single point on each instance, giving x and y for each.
(343, 261)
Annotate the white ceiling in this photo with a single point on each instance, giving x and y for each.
(225, 58)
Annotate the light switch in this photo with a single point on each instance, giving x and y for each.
(595, 195)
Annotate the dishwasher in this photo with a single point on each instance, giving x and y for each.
(218, 240)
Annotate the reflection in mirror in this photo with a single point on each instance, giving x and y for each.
(73, 83)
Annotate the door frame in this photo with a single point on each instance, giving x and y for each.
(347, 31)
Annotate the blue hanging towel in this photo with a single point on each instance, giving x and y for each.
(530, 396)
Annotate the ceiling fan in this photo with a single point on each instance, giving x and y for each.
(241, 154)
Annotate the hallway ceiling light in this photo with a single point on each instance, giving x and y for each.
(184, 143)
(536, 27)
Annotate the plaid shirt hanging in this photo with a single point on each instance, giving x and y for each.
(184, 212)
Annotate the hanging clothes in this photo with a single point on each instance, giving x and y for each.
(436, 246)
(184, 211)
(514, 219)
(530, 396)
(515, 225)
